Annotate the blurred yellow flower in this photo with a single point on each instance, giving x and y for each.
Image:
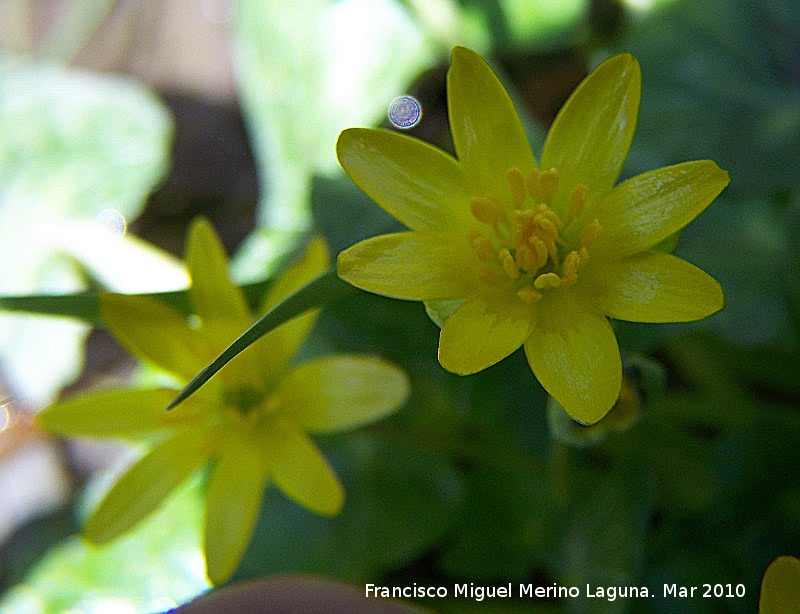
(780, 587)
(538, 256)
(252, 420)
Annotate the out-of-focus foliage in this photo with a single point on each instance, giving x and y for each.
(307, 70)
(153, 568)
(76, 149)
(467, 484)
(722, 82)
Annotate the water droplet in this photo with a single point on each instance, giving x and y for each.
(405, 112)
(113, 220)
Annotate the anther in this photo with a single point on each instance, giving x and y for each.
(486, 209)
(509, 266)
(516, 183)
(527, 260)
(541, 252)
(577, 200)
(547, 280)
(570, 265)
(547, 225)
(528, 295)
(590, 233)
(584, 254)
(548, 185)
(482, 247)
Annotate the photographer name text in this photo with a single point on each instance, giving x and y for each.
(530, 591)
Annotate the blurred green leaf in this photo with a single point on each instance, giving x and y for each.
(744, 245)
(307, 70)
(155, 567)
(501, 525)
(608, 517)
(74, 148)
(707, 95)
(85, 306)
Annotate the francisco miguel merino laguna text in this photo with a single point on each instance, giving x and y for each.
(479, 593)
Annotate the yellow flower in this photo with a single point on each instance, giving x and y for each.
(780, 587)
(252, 420)
(539, 256)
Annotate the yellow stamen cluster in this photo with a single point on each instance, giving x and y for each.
(526, 239)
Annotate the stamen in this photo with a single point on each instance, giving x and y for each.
(547, 225)
(547, 280)
(590, 233)
(541, 252)
(509, 266)
(516, 182)
(527, 259)
(482, 247)
(548, 185)
(584, 254)
(577, 203)
(571, 262)
(486, 209)
(528, 295)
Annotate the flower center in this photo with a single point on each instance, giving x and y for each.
(243, 400)
(525, 245)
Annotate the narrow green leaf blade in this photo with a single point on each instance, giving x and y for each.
(86, 305)
(324, 289)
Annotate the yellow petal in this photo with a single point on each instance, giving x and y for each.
(646, 209)
(780, 587)
(410, 265)
(339, 393)
(416, 183)
(155, 333)
(574, 354)
(115, 413)
(299, 469)
(220, 305)
(483, 331)
(145, 485)
(215, 299)
(277, 348)
(487, 133)
(591, 135)
(652, 287)
(235, 495)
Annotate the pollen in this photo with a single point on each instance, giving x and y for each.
(527, 247)
(548, 185)
(577, 200)
(482, 247)
(590, 233)
(508, 262)
(486, 209)
(547, 280)
(516, 183)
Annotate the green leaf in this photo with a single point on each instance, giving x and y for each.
(85, 306)
(152, 568)
(705, 95)
(322, 290)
